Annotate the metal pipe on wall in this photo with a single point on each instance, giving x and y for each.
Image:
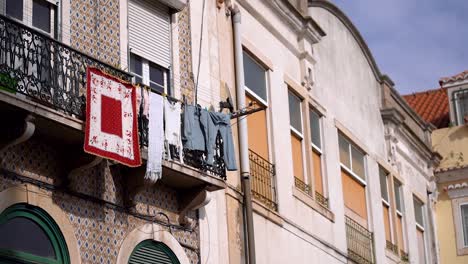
(243, 136)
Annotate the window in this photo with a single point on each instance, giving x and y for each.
(256, 94)
(40, 16)
(316, 144)
(418, 212)
(352, 158)
(461, 106)
(149, 251)
(255, 77)
(399, 225)
(29, 235)
(353, 180)
(14, 9)
(383, 184)
(464, 221)
(150, 74)
(398, 198)
(295, 117)
(419, 218)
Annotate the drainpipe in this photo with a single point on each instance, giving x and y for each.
(243, 138)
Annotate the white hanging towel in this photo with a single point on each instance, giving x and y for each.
(155, 138)
(172, 124)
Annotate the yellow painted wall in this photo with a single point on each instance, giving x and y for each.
(452, 144)
(446, 231)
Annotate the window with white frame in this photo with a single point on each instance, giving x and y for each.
(419, 218)
(418, 212)
(149, 40)
(256, 94)
(295, 125)
(460, 99)
(388, 219)
(352, 158)
(317, 150)
(464, 222)
(255, 78)
(150, 74)
(37, 14)
(399, 225)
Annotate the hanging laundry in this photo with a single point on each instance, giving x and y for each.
(172, 123)
(111, 129)
(155, 138)
(193, 134)
(220, 122)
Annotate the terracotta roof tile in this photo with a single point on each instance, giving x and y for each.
(431, 105)
(458, 77)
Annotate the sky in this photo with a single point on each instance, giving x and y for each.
(415, 42)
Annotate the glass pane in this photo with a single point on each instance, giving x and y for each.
(383, 184)
(462, 106)
(254, 75)
(418, 212)
(398, 201)
(358, 162)
(136, 65)
(156, 76)
(22, 234)
(315, 129)
(344, 151)
(41, 15)
(464, 215)
(295, 111)
(14, 8)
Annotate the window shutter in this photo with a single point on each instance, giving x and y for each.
(149, 31)
(150, 252)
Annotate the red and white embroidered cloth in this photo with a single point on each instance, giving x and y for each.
(111, 119)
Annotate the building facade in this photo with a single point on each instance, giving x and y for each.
(446, 109)
(340, 168)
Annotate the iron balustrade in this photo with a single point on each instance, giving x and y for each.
(392, 247)
(45, 70)
(54, 74)
(262, 180)
(322, 200)
(360, 242)
(301, 185)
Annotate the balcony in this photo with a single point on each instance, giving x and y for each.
(360, 243)
(44, 80)
(392, 247)
(263, 183)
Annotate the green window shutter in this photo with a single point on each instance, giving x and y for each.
(152, 252)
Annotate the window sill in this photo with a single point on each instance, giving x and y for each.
(307, 200)
(266, 212)
(391, 255)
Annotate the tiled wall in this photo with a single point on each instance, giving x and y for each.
(185, 55)
(95, 29)
(99, 229)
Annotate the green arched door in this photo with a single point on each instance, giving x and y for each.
(29, 235)
(152, 252)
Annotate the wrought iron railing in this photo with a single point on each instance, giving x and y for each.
(322, 200)
(360, 242)
(301, 185)
(262, 181)
(392, 247)
(194, 158)
(404, 256)
(45, 70)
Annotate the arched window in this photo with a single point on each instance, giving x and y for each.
(152, 252)
(29, 235)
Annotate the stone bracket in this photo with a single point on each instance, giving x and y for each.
(18, 133)
(191, 201)
(81, 162)
(134, 180)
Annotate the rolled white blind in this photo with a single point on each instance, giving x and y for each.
(149, 31)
